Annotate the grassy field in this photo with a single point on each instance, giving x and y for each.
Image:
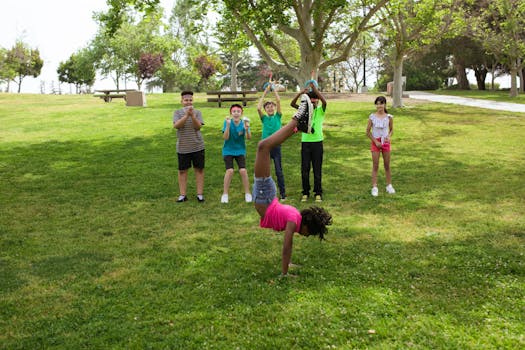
(498, 95)
(96, 254)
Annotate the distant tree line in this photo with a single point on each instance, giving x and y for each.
(212, 44)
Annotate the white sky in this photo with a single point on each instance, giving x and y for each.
(57, 28)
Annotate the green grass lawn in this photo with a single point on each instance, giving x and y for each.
(499, 95)
(96, 254)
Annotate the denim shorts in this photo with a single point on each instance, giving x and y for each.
(264, 190)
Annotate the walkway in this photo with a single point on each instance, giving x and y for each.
(466, 101)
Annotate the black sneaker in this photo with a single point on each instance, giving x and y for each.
(182, 198)
(200, 198)
(304, 115)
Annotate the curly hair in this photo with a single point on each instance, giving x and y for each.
(316, 219)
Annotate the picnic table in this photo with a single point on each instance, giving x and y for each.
(227, 96)
(109, 94)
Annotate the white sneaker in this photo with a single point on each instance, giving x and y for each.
(248, 197)
(375, 191)
(224, 198)
(390, 189)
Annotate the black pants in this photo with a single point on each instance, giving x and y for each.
(312, 155)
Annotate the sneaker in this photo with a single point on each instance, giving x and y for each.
(224, 198)
(304, 198)
(318, 198)
(248, 197)
(304, 115)
(390, 189)
(182, 198)
(375, 191)
(200, 198)
(283, 199)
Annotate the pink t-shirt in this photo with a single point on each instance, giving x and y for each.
(277, 215)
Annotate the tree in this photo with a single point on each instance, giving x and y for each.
(78, 70)
(24, 61)
(324, 31)
(501, 28)
(411, 26)
(7, 71)
(149, 64)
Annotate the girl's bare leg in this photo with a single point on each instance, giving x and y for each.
(375, 168)
(386, 162)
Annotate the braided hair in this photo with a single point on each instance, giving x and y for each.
(316, 219)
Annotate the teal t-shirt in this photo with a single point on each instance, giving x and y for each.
(318, 119)
(235, 145)
(271, 123)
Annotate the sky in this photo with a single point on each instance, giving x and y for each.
(57, 28)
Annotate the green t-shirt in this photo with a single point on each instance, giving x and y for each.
(271, 123)
(318, 119)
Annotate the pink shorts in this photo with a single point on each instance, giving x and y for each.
(385, 147)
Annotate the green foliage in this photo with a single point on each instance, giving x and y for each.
(24, 61)
(79, 69)
(119, 10)
(96, 254)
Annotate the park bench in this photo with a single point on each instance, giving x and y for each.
(231, 96)
(108, 95)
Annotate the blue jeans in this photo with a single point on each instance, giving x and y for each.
(275, 154)
(263, 190)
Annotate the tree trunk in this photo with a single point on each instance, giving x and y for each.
(233, 72)
(520, 72)
(19, 83)
(513, 85)
(461, 76)
(397, 92)
(481, 74)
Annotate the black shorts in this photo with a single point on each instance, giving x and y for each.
(187, 159)
(241, 161)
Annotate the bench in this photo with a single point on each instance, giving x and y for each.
(108, 95)
(231, 96)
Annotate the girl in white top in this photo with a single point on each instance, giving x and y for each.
(379, 130)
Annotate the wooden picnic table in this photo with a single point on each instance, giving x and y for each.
(108, 94)
(227, 96)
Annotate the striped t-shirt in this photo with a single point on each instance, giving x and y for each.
(189, 140)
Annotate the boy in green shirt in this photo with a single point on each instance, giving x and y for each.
(312, 144)
(271, 121)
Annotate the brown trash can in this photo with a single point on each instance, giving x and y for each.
(135, 98)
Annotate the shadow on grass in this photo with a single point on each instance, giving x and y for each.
(148, 270)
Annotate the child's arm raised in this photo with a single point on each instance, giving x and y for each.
(319, 94)
(294, 101)
(277, 101)
(261, 100)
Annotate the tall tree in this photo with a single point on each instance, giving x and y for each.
(411, 26)
(323, 30)
(501, 28)
(7, 71)
(24, 61)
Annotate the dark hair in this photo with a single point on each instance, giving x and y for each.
(268, 103)
(312, 94)
(236, 105)
(316, 219)
(186, 92)
(381, 99)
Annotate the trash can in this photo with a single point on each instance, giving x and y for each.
(135, 98)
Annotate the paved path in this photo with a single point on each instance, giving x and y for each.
(465, 101)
